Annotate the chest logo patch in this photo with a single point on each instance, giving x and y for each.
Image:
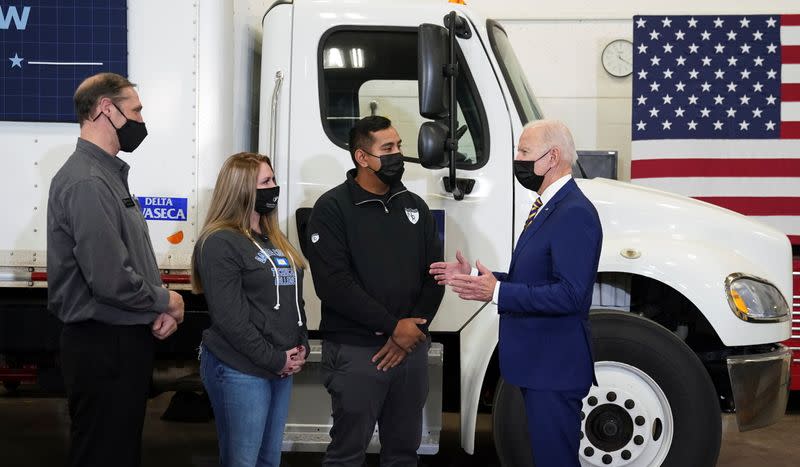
(314, 238)
(413, 215)
(261, 257)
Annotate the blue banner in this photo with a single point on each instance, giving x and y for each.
(47, 47)
(156, 208)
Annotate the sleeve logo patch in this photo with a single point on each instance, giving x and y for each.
(314, 238)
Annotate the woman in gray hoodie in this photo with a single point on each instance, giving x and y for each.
(252, 279)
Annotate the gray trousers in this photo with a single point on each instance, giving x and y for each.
(361, 395)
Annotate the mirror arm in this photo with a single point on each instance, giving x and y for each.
(451, 71)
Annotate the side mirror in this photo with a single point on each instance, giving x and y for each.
(433, 53)
(431, 145)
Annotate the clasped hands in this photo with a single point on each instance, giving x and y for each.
(403, 341)
(456, 274)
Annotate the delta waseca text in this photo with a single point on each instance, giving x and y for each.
(158, 208)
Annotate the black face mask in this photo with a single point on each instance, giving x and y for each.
(130, 135)
(392, 168)
(523, 171)
(267, 199)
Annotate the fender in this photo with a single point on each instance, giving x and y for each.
(478, 340)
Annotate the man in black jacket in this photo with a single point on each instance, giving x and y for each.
(371, 241)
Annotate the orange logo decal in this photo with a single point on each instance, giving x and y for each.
(176, 238)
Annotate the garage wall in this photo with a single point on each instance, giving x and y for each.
(559, 45)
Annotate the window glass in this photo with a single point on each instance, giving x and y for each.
(374, 72)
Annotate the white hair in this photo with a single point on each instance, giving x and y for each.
(556, 134)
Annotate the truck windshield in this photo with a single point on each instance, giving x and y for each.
(521, 92)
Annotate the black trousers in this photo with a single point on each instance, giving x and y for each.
(107, 373)
(361, 396)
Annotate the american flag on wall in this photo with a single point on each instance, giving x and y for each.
(716, 112)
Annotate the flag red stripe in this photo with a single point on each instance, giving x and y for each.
(790, 20)
(790, 92)
(662, 168)
(757, 206)
(790, 130)
(790, 54)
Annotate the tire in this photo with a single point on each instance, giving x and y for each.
(639, 361)
(510, 426)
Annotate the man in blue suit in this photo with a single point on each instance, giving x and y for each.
(544, 299)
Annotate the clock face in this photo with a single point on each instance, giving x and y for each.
(618, 58)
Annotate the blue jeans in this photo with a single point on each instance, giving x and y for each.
(250, 413)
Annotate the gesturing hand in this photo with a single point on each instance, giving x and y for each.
(389, 356)
(443, 272)
(479, 288)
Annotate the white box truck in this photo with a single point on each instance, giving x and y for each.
(690, 305)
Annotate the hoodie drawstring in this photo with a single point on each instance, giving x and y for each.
(277, 285)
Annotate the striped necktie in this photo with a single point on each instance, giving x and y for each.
(534, 209)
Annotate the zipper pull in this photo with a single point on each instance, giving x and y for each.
(386, 209)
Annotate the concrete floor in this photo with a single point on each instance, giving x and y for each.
(33, 433)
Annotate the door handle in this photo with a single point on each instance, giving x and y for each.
(465, 184)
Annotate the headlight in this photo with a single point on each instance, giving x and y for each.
(754, 299)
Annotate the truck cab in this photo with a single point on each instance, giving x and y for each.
(668, 262)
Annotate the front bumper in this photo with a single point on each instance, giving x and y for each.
(760, 384)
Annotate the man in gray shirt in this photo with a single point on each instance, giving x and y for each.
(103, 279)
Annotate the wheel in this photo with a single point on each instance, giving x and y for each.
(510, 426)
(655, 403)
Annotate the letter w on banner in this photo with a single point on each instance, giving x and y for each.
(716, 112)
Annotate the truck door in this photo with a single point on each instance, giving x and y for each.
(366, 70)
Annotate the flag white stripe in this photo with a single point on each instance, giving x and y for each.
(714, 149)
(790, 111)
(790, 225)
(724, 186)
(790, 73)
(790, 35)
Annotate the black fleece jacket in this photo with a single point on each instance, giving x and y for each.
(369, 257)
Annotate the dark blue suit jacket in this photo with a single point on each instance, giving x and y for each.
(544, 298)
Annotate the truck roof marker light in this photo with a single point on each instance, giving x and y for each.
(457, 2)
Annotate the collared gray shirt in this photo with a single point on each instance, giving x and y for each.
(100, 262)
